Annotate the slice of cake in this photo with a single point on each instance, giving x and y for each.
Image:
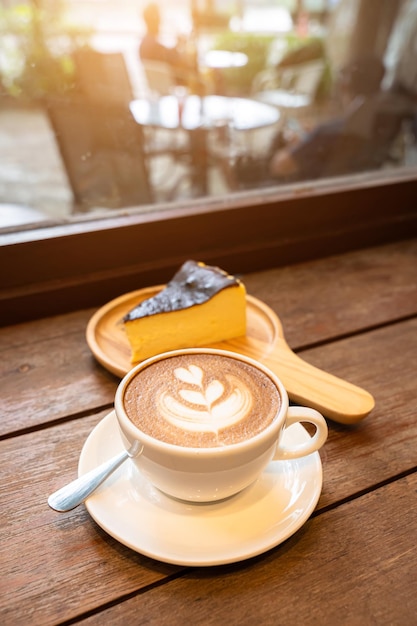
(199, 306)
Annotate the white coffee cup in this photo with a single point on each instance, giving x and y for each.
(204, 474)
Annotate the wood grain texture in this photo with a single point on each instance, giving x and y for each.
(48, 373)
(352, 565)
(340, 294)
(96, 260)
(42, 551)
(383, 445)
(264, 341)
(316, 302)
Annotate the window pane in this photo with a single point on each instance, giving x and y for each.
(239, 95)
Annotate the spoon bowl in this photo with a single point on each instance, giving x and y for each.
(73, 494)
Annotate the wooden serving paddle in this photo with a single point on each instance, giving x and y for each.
(264, 341)
(336, 398)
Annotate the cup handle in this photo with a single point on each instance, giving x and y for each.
(303, 414)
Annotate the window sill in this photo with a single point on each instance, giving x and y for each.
(58, 268)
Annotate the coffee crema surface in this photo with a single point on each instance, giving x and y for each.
(201, 400)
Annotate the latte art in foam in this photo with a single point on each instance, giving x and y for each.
(201, 400)
(203, 407)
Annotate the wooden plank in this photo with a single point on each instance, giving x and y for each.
(357, 290)
(71, 547)
(341, 294)
(354, 457)
(42, 552)
(293, 292)
(254, 230)
(352, 565)
(48, 373)
(383, 445)
(31, 333)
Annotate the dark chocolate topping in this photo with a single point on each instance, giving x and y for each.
(194, 283)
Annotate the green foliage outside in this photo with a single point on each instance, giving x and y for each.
(294, 41)
(35, 51)
(256, 47)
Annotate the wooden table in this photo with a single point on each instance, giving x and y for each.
(353, 562)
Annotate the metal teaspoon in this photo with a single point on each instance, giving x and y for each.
(78, 490)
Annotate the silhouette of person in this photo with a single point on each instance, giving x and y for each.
(151, 49)
(357, 140)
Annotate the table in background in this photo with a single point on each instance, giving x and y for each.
(200, 115)
(353, 562)
(223, 59)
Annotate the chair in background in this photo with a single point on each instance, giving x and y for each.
(167, 150)
(103, 77)
(102, 149)
(381, 121)
(163, 79)
(160, 78)
(291, 89)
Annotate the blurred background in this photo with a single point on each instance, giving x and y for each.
(261, 93)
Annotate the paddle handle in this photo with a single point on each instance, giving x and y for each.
(333, 397)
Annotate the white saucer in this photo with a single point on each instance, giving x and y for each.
(262, 516)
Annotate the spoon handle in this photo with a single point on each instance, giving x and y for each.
(78, 490)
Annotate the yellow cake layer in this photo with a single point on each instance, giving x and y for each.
(222, 317)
